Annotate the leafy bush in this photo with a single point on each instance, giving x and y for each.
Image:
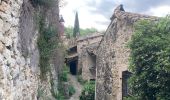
(60, 96)
(71, 90)
(88, 92)
(150, 60)
(63, 76)
(40, 92)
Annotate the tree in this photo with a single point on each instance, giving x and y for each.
(150, 60)
(68, 31)
(76, 30)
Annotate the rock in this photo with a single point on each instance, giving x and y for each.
(66, 90)
(1, 24)
(1, 73)
(7, 54)
(3, 6)
(7, 41)
(1, 59)
(6, 27)
(1, 47)
(5, 17)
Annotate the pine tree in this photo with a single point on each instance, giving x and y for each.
(76, 30)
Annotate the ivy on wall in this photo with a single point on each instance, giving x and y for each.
(47, 43)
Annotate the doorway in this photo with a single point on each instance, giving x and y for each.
(73, 67)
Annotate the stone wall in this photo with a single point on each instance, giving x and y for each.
(88, 59)
(18, 80)
(19, 56)
(86, 46)
(113, 54)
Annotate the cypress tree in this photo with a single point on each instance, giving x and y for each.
(76, 30)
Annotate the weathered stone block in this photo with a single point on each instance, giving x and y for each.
(3, 6)
(1, 47)
(1, 24)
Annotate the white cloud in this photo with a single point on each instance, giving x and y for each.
(160, 11)
(86, 19)
(100, 19)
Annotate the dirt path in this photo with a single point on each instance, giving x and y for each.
(77, 86)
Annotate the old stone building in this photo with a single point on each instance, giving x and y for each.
(82, 55)
(104, 58)
(113, 55)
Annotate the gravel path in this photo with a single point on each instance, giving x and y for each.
(77, 86)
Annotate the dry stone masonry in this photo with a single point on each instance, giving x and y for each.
(18, 81)
(113, 54)
(19, 56)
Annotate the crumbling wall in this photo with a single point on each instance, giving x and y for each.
(113, 54)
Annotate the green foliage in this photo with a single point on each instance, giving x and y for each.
(60, 93)
(71, 90)
(47, 43)
(83, 32)
(68, 31)
(150, 60)
(63, 76)
(76, 30)
(40, 92)
(88, 92)
(87, 31)
(60, 96)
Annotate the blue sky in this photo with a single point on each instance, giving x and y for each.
(96, 13)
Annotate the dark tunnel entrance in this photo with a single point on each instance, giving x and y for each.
(73, 67)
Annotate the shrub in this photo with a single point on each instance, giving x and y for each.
(150, 60)
(60, 96)
(71, 90)
(63, 76)
(88, 92)
(47, 43)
